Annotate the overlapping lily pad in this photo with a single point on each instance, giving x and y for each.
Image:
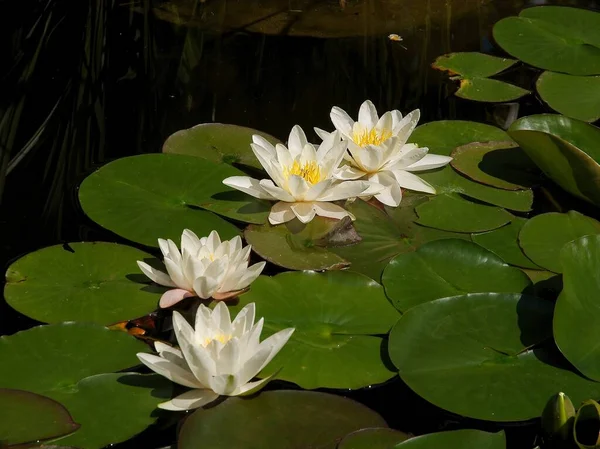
(543, 237)
(340, 319)
(277, 420)
(565, 149)
(485, 355)
(151, 196)
(554, 38)
(576, 318)
(496, 164)
(489, 90)
(447, 268)
(373, 438)
(26, 417)
(217, 142)
(504, 242)
(67, 362)
(573, 96)
(95, 282)
(457, 439)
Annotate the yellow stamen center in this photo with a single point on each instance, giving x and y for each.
(372, 137)
(309, 171)
(222, 338)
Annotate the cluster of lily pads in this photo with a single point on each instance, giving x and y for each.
(453, 280)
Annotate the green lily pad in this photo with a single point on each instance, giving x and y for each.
(340, 319)
(489, 90)
(387, 233)
(29, 417)
(472, 64)
(554, 38)
(543, 237)
(574, 96)
(457, 439)
(447, 268)
(373, 438)
(496, 164)
(217, 142)
(565, 149)
(151, 196)
(443, 136)
(452, 213)
(277, 420)
(485, 355)
(504, 242)
(94, 282)
(576, 318)
(71, 356)
(292, 246)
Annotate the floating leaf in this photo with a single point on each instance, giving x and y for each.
(94, 282)
(372, 438)
(565, 149)
(217, 142)
(448, 268)
(497, 164)
(472, 64)
(151, 196)
(279, 420)
(73, 357)
(504, 242)
(457, 439)
(489, 90)
(387, 233)
(543, 237)
(340, 318)
(485, 356)
(452, 213)
(29, 417)
(576, 318)
(554, 38)
(573, 96)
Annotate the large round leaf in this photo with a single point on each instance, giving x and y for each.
(373, 438)
(484, 356)
(29, 417)
(151, 196)
(504, 242)
(543, 237)
(60, 358)
(277, 420)
(217, 142)
(574, 96)
(472, 64)
(95, 282)
(577, 313)
(340, 318)
(457, 439)
(452, 213)
(387, 233)
(448, 268)
(565, 149)
(553, 38)
(489, 90)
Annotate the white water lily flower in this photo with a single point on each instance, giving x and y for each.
(205, 267)
(216, 357)
(377, 151)
(301, 178)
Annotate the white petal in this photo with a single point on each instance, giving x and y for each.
(221, 319)
(201, 364)
(367, 115)
(408, 155)
(251, 387)
(297, 187)
(276, 342)
(396, 118)
(284, 157)
(244, 320)
(368, 158)
(330, 153)
(412, 182)
(176, 274)
(384, 123)
(316, 190)
(344, 190)
(250, 275)
(429, 162)
(229, 357)
(348, 172)
(392, 194)
(164, 247)
(331, 210)
(157, 276)
(247, 185)
(190, 400)
(269, 162)
(261, 141)
(205, 287)
(280, 213)
(341, 120)
(213, 241)
(297, 140)
(275, 191)
(265, 353)
(404, 128)
(321, 133)
(305, 212)
(169, 370)
(190, 242)
(225, 384)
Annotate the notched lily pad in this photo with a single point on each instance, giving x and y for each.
(472, 64)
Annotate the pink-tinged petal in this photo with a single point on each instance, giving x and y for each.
(305, 212)
(349, 173)
(429, 162)
(342, 121)
(228, 295)
(172, 297)
(276, 192)
(297, 140)
(190, 400)
(331, 210)
(248, 185)
(412, 182)
(367, 115)
(155, 275)
(281, 212)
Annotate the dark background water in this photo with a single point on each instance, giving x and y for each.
(88, 81)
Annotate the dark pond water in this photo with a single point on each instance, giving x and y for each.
(90, 81)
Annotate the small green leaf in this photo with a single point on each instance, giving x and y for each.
(372, 438)
(472, 64)
(489, 90)
(456, 439)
